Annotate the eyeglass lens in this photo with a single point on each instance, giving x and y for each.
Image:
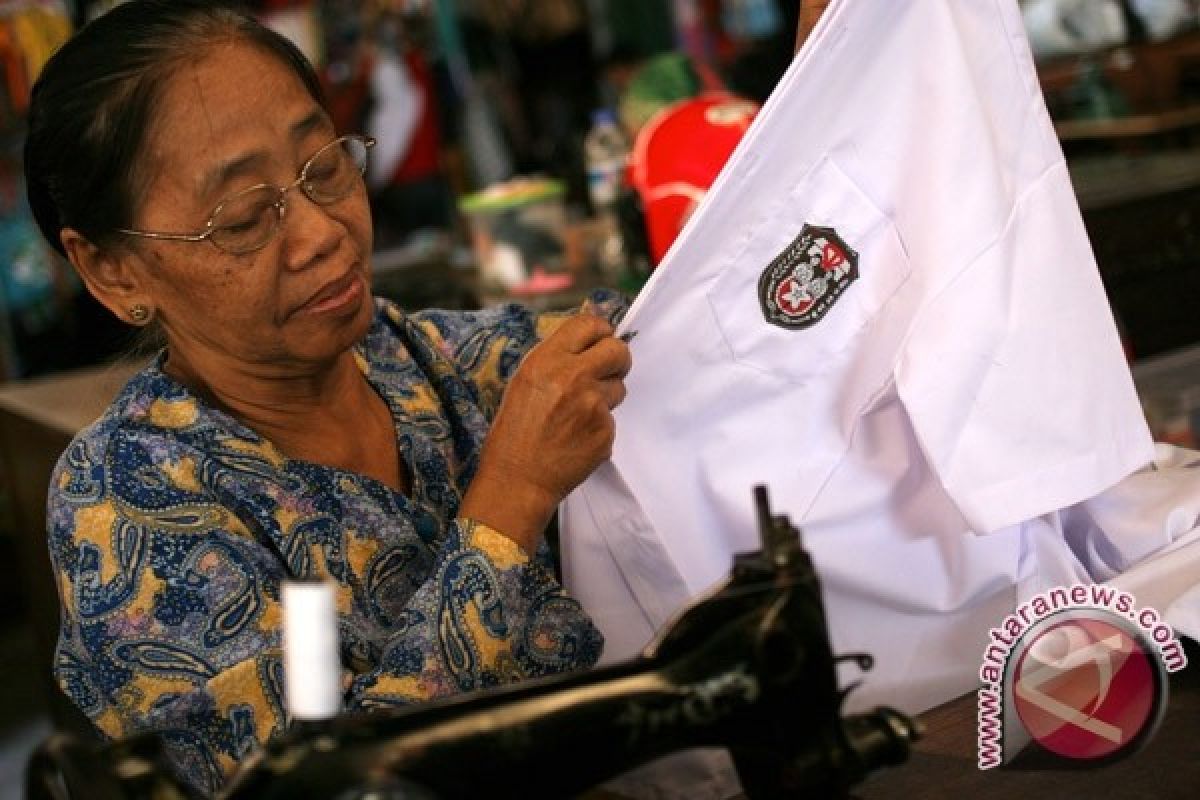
(247, 220)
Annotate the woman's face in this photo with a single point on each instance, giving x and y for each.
(234, 119)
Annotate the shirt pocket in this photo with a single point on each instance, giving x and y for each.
(796, 296)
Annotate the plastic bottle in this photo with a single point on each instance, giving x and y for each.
(606, 153)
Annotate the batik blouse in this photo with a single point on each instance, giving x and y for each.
(172, 526)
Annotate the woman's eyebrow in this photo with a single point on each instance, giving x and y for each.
(308, 124)
(226, 171)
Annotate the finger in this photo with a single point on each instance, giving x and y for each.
(613, 391)
(608, 358)
(580, 332)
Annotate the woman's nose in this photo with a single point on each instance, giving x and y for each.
(309, 230)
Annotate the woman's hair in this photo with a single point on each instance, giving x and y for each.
(97, 97)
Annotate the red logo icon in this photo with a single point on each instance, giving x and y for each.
(1088, 687)
(832, 257)
(792, 298)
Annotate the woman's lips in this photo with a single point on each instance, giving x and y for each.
(336, 296)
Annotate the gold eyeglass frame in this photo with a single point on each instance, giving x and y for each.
(280, 203)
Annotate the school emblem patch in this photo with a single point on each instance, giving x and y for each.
(803, 282)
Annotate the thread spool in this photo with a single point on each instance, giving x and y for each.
(311, 666)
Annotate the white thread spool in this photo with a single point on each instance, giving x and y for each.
(311, 667)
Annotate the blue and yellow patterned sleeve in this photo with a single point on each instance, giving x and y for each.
(488, 345)
(474, 639)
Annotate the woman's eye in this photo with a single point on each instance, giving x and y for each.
(240, 226)
(322, 174)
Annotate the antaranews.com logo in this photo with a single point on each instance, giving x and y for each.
(1082, 671)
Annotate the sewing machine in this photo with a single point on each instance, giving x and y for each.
(748, 668)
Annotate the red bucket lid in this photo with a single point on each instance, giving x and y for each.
(677, 156)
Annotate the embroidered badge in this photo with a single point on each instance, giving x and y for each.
(803, 282)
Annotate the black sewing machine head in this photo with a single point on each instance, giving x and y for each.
(767, 625)
(748, 668)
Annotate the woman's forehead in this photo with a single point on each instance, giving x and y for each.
(234, 94)
(235, 102)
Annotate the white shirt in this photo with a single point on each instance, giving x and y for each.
(925, 432)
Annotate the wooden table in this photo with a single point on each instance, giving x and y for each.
(1134, 126)
(1141, 214)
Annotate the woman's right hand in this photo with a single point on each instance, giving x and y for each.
(554, 426)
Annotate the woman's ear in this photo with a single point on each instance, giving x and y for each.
(110, 276)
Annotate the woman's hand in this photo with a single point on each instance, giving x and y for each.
(554, 427)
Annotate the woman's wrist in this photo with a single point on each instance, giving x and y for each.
(515, 509)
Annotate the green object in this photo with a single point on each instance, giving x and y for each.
(512, 194)
(663, 81)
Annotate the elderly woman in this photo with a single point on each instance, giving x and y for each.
(292, 427)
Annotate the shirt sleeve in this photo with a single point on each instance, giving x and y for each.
(171, 612)
(488, 345)
(490, 615)
(1013, 375)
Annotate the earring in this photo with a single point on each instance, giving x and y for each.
(139, 314)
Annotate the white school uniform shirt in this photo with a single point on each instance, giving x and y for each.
(925, 431)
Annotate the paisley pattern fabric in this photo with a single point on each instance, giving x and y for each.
(172, 525)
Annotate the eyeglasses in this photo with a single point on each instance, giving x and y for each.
(246, 221)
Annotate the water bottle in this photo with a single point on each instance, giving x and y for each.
(606, 153)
